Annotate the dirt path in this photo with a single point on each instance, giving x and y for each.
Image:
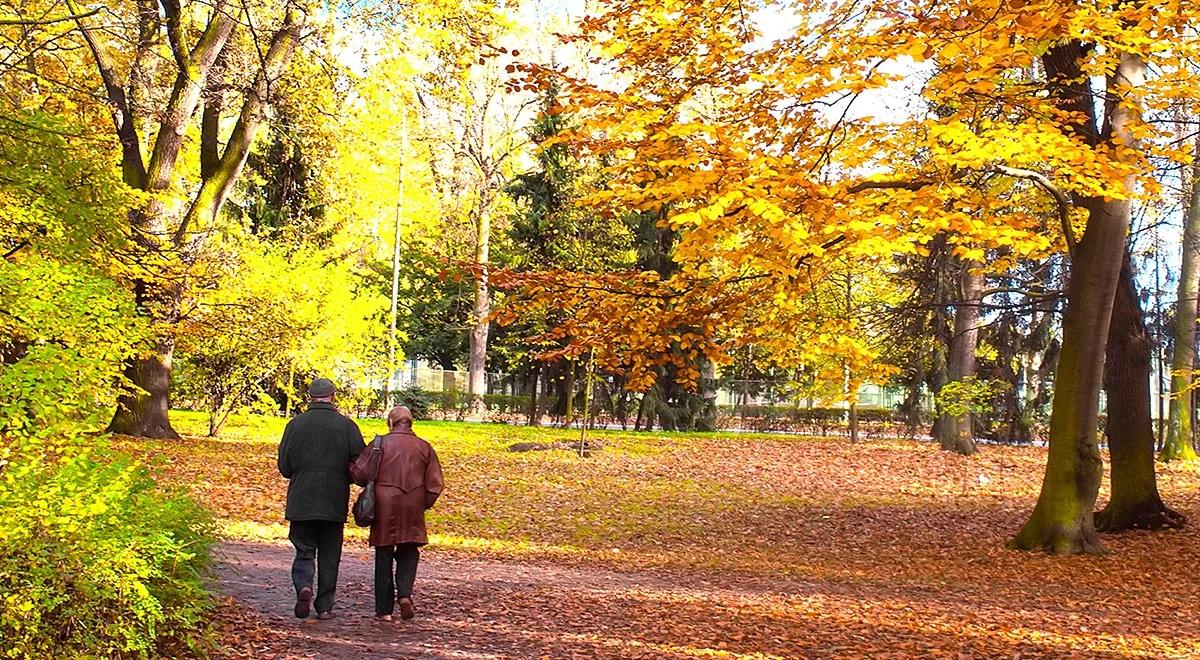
(466, 608)
(472, 607)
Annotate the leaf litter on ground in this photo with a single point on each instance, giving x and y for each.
(774, 547)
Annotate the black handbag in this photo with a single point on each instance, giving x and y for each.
(364, 506)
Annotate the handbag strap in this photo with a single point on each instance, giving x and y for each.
(376, 453)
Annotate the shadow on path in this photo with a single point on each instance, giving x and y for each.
(472, 607)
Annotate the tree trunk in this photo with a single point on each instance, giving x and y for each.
(912, 406)
(955, 432)
(645, 414)
(1062, 520)
(939, 375)
(210, 119)
(569, 393)
(534, 417)
(1135, 503)
(707, 420)
(1178, 445)
(477, 362)
(144, 413)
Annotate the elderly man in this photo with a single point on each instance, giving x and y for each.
(316, 449)
(408, 479)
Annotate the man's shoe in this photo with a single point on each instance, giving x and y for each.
(303, 602)
(406, 609)
(324, 616)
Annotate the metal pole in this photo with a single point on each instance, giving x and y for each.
(396, 260)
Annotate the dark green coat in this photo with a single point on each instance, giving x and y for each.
(315, 455)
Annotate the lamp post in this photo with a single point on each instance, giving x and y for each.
(396, 260)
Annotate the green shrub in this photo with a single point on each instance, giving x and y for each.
(808, 415)
(507, 404)
(96, 559)
(418, 400)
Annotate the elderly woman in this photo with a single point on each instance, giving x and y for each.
(408, 482)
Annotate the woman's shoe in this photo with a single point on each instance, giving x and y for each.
(406, 609)
(383, 617)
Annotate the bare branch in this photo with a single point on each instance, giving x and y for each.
(13, 252)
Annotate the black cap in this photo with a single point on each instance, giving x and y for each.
(321, 387)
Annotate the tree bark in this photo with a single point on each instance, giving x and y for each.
(955, 432)
(133, 167)
(1062, 520)
(912, 406)
(144, 413)
(1178, 444)
(210, 120)
(1135, 502)
(939, 375)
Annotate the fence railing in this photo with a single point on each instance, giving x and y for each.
(741, 405)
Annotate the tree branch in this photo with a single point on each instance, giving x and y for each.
(185, 94)
(175, 35)
(1064, 204)
(48, 21)
(216, 188)
(20, 246)
(133, 168)
(863, 186)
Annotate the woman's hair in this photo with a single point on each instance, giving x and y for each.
(400, 416)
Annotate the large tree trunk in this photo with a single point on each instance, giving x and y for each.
(1178, 445)
(1135, 503)
(955, 432)
(144, 413)
(1062, 520)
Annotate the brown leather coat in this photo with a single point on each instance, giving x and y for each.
(408, 483)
